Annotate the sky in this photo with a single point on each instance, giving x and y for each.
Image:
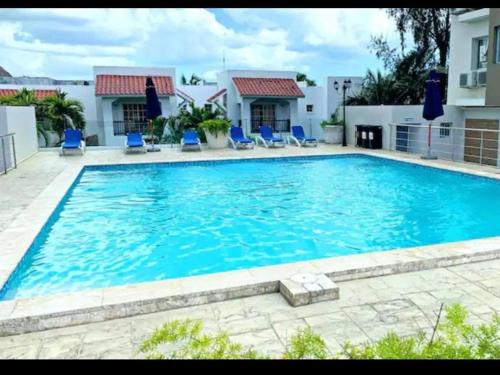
(66, 43)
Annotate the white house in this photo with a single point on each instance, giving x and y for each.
(114, 101)
(474, 80)
(121, 102)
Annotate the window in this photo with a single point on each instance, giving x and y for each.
(309, 108)
(480, 52)
(224, 100)
(444, 130)
(208, 107)
(497, 45)
(134, 112)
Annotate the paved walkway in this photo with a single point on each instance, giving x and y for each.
(366, 310)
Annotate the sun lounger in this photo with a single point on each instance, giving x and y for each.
(267, 138)
(134, 142)
(72, 141)
(190, 141)
(238, 140)
(299, 138)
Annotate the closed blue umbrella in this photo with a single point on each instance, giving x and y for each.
(433, 105)
(153, 108)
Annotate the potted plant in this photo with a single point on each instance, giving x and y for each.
(333, 130)
(216, 132)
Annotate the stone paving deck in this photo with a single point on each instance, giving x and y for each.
(366, 310)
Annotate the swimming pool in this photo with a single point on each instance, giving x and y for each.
(126, 224)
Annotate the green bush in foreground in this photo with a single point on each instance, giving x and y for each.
(453, 339)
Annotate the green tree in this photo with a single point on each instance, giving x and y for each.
(430, 32)
(193, 81)
(377, 89)
(302, 77)
(429, 27)
(26, 97)
(63, 112)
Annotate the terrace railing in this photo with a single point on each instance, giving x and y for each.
(469, 144)
(124, 127)
(7, 152)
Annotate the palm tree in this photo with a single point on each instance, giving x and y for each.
(377, 89)
(301, 77)
(63, 112)
(26, 97)
(193, 81)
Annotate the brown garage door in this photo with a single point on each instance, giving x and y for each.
(473, 152)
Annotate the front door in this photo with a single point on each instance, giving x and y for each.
(481, 146)
(262, 114)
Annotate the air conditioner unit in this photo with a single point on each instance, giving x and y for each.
(481, 77)
(468, 80)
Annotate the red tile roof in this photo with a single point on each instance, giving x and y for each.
(39, 94)
(120, 85)
(216, 95)
(184, 95)
(276, 87)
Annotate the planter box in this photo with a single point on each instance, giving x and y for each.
(333, 134)
(216, 142)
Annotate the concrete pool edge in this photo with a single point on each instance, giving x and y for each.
(19, 235)
(57, 311)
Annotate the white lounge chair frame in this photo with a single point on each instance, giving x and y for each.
(270, 143)
(191, 147)
(292, 139)
(237, 145)
(141, 149)
(81, 149)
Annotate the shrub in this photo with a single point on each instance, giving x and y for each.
(454, 339)
(305, 344)
(215, 126)
(332, 121)
(182, 339)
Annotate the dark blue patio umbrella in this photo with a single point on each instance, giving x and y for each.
(433, 105)
(153, 108)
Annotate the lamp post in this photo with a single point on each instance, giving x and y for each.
(346, 85)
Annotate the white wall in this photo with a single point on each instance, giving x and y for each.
(315, 95)
(334, 97)
(200, 94)
(22, 122)
(409, 114)
(84, 94)
(463, 30)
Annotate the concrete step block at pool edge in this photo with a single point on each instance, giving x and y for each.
(305, 288)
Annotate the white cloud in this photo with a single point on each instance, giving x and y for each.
(67, 42)
(349, 28)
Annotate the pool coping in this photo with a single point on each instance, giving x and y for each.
(54, 311)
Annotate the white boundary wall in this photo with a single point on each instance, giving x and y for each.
(22, 122)
(408, 114)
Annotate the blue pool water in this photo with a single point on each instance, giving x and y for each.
(137, 223)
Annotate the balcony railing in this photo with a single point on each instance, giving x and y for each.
(278, 126)
(7, 152)
(124, 127)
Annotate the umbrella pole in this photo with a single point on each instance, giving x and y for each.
(429, 156)
(152, 134)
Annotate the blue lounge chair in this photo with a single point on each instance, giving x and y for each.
(238, 140)
(300, 139)
(135, 142)
(190, 140)
(267, 138)
(72, 141)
